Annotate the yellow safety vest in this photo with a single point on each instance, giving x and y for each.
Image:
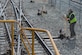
(73, 20)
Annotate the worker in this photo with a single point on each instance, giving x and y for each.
(70, 17)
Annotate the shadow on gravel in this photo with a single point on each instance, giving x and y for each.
(70, 44)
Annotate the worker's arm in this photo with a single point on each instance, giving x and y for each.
(72, 16)
(67, 19)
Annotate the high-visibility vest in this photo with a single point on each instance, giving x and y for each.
(73, 20)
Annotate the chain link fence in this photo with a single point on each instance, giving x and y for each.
(63, 5)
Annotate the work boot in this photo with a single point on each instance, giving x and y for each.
(72, 38)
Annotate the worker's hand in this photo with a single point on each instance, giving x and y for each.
(67, 19)
(64, 16)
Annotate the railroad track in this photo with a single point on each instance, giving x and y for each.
(41, 47)
(5, 38)
(4, 46)
(26, 23)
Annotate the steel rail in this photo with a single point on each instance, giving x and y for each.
(16, 15)
(49, 35)
(8, 32)
(4, 18)
(14, 8)
(4, 7)
(46, 48)
(5, 24)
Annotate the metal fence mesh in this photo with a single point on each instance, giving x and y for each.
(63, 5)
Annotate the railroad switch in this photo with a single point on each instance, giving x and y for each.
(62, 36)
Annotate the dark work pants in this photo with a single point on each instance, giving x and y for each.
(72, 31)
